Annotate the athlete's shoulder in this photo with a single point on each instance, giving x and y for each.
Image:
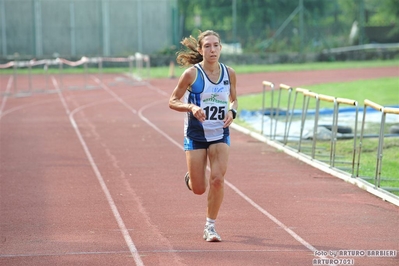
(230, 70)
(232, 76)
(189, 75)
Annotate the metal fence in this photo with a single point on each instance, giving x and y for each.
(379, 179)
(298, 26)
(332, 139)
(76, 28)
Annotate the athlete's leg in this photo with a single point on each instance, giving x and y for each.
(218, 157)
(196, 165)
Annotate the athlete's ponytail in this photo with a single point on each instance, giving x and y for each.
(190, 55)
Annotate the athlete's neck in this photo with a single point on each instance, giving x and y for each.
(213, 68)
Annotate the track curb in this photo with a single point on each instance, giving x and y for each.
(384, 195)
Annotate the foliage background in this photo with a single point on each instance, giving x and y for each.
(263, 26)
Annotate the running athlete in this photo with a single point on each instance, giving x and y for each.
(206, 91)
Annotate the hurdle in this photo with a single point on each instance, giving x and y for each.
(331, 136)
(18, 88)
(355, 136)
(22, 89)
(381, 135)
(303, 113)
(266, 84)
(288, 114)
(275, 112)
(15, 67)
(316, 96)
(323, 154)
(142, 59)
(332, 160)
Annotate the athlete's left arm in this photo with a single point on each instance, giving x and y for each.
(233, 91)
(233, 96)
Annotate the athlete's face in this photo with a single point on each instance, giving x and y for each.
(211, 48)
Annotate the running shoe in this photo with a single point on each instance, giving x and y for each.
(210, 234)
(186, 179)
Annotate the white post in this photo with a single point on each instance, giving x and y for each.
(38, 28)
(72, 28)
(105, 23)
(139, 27)
(3, 28)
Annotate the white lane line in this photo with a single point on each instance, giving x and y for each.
(271, 217)
(154, 126)
(4, 100)
(235, 189)
(205, 251)
(111, 202)
(113, 94)
(25, 106)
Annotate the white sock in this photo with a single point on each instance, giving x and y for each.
(210, 222)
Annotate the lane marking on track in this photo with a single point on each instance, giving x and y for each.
(114, 94)
(25, 106)
(111, 202)
(154, 126)
(4, 100)
(149, 252)
(141, 208)
(235, 189)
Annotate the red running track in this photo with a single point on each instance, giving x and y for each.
(95, 177)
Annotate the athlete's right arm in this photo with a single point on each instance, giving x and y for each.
(175, 103)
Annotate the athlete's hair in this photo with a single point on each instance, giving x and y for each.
(189, 55)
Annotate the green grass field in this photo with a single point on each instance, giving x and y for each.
(163, 72)
(384, 91)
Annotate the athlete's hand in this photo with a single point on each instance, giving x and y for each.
(228, 120)
(198, 113)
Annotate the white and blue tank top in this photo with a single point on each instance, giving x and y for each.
(213, 98)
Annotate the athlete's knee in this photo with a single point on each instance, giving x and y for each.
(217, 182)
(198, 184)
(199, 190)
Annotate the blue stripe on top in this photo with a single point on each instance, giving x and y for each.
(195, 129)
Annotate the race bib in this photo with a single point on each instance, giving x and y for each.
(215, 105)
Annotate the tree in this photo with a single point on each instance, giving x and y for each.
(327, 23)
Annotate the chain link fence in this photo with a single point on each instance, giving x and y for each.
(76, 28)
(302, 26)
